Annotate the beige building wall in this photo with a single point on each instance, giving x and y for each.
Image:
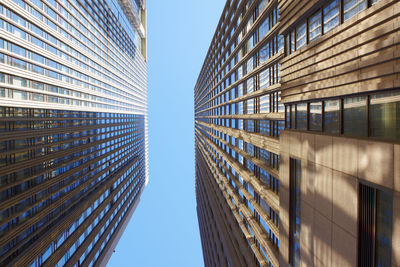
(360, 55)
(332, 168)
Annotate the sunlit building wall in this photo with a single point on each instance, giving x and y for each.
(73, 128)
(297, 111)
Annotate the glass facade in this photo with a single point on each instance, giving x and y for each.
(73, 128)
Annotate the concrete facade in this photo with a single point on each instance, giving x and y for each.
(344, 52)
(359, 56)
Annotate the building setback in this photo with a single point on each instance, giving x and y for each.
(297, 132)
(73, 128)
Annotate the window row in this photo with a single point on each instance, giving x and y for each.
(272, 46)
(66, 73)
(375, 115)
(267, 77)
(72, 97)
(322, 21)
(66, 52)
(262, 104)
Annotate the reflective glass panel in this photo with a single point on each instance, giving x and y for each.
(331, 16)
(301, 40)
(332, 116)
(314, 26)
(383, 235)
(353, 7)
(316, 116)
(355, 116)
(385, 115)
(264, 104)
(301, 116)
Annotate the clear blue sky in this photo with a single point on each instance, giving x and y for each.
(164, 229)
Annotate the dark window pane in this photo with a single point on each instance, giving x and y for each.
(385, 115)
(281, 127)
(366, 224)
(287, 116)
(250, 126)
(295, 211)
(293, 121)
(355, 116)
(383, 236)
(332, 116)
(265, 127)
(301, 116)
(316, 116)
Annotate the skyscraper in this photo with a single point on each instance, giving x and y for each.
(73, 128)
(297, 135)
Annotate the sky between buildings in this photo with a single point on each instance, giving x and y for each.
(164, 228)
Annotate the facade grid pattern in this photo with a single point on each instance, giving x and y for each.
(73, 128)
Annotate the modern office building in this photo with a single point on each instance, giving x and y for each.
(297, 131)
(73, 128)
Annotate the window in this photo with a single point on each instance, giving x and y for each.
(293, 118)
(263, 29)
(37, 58)
(250, 106)
(355, 116)
(301, 116)
(19, 95)
(21, 82)
(292, 42)
(265, 128)
(37, 97)
(264, 78)
(287, 116)
(301, 40)
(331, 16)
(332, 116)
(294, 212)
(249, 65)
(316, 116)
(240, 108)
(36, 41)
(375, 211)
(264, 104)
(385, 115)
(37, 69)
(18, 50)
(314, 27)
(18, 63)
(353, 7)
(250, 85)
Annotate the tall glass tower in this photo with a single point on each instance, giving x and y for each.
(73, 128)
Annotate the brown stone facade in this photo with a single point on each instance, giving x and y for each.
(358, 57)
(344, 53)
